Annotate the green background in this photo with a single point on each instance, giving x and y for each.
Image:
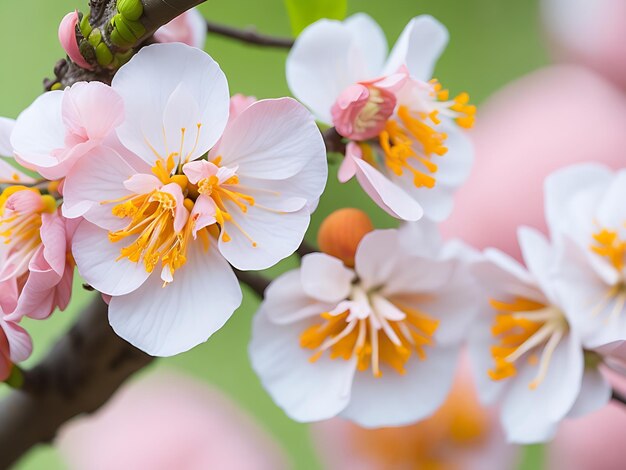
(492, 43)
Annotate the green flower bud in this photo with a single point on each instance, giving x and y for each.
(130, 9)
(95, 37)
(123, 57)
(117, 39)
(122, 28)
(85, 27)
(87, 50)
(103, 54)
(56, 86)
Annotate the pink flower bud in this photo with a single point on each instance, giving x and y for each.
(67, 38)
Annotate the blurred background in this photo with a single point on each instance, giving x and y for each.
(492, 44)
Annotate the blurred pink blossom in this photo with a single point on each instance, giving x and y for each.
(189, 28)
(547, 120)
(589, 32)
(168, 421)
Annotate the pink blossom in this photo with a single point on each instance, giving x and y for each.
(168, 421)
(15, 345)
(400, 123)
(67, 38)
(200, 193)
(189, 28)
(54, 132)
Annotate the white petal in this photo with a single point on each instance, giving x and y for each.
(540, 258)
(98, 177)
(272, 139)
(97, 261)
(325, 278)
(481, 360)
(560, 186)
(43, 119)
(525, 411)
(371, 41)
(413, 274)
(164, 321)
(263, 237)
(306, 391)
(396, 400)
(386, 194)
(421, 238)
(418, 47)
(376, 258)
(147, 83)
(286, 302)
(6, 127)
(612, 210)
(324, 61)
(595, 392)
(455, 166)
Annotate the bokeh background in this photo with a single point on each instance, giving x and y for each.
(492, 43)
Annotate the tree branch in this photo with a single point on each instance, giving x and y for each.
(249, 36)
(255, 281)
(81, 372)
(334, 142)
(618, 397)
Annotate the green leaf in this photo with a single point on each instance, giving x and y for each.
(304, 12)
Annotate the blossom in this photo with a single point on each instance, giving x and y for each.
(60, 127)
(585, 212)
(161, 228)
(188, 28)
(404, 142)
(526, 346)
(376, 344)
(35, 270)
(15, 344)
(460, 434)
(165, 421)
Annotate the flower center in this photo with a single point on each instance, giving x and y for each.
(20, 224)
(223, 192)
(524, 328)
(377, 332)
(609, 245)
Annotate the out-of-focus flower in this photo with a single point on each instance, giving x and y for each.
(168, 421)
(160, 231)
(526, 347)
(591, 32)
(67, 38)
(586, 212)
(15, 344)
(60, 127)
(376, 344)
(238, 104)
(188, 28)
(526, 131)
(405, 146)
(461, 435)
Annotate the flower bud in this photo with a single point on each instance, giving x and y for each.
(130, 9)
(342, 231)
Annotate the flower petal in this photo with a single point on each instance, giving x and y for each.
(388, 196)
(167, 320)
(418, 47)
(306, 391)
(324, 60)
(97, 261)
(371, 41)
(271, 139)
(325, 278)
(148, 83)
(396, 400)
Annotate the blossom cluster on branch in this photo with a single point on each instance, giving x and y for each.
(160, 189)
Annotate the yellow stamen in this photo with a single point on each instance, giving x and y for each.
(522, 326)
(392, 344)
(610, 246)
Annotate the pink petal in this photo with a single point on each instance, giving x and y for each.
(349, 106)
(142, 183)
(389, 197)
(348, 166)
(203, 212)
(199, 170)
(67, 38)
(182, 214)
(54, 241)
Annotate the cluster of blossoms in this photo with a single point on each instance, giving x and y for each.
(157, 186)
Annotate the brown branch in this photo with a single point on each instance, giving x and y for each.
(618, 397)
(334, 142)
(249, 36)
(255, 281)
(78, 375)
